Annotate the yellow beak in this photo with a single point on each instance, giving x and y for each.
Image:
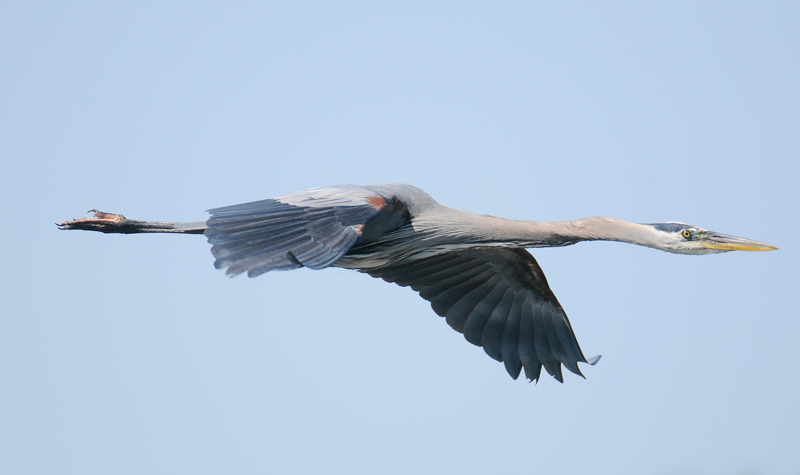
(723, 242)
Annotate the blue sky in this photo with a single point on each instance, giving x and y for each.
(132, 354)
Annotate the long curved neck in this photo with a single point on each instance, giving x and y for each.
(562, 233)
(500, 231)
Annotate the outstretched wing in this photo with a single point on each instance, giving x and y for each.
(499, 299)
(312, 228)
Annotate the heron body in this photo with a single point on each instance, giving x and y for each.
(473, 269)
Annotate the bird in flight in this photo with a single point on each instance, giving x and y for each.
(473, 269)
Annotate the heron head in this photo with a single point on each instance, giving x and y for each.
(682, 238)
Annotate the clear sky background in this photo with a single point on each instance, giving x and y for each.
(132, 354)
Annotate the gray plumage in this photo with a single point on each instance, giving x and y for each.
(473, 269)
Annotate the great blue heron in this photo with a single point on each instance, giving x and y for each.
(473, 269)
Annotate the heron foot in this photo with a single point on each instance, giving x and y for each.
(102, 221)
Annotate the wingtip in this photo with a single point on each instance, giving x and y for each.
(593, 360)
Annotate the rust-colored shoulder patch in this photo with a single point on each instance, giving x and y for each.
(377, 202)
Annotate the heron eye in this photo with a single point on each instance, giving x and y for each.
(687, 234)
